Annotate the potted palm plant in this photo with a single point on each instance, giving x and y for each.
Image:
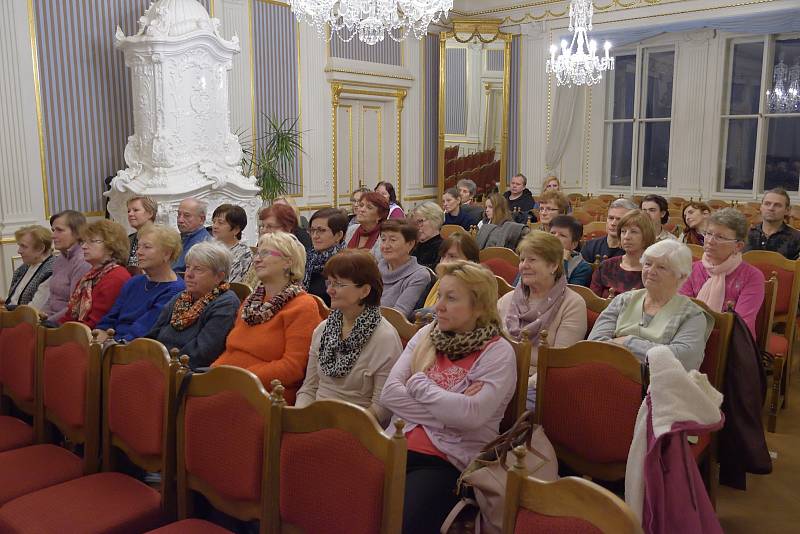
(271, 156)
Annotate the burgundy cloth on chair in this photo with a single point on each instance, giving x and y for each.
(17, 358)
(501, 268)
(14, 433)
(100, 503)
(29, 469)
(529, 522)
(190, 526)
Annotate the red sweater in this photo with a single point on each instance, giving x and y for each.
(277, 348)
(103, 296)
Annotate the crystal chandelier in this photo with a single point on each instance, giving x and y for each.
(578, 63)
(782, 99)
(371, 20)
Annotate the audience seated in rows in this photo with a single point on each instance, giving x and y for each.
(658, 315)
(353, 350)
(499, 230)
(142, 211)
(623, 273)
(227, 224)
(772, 233)
(520, 200)
(327, 228)
(29, 283)
(467, 189)
(569, 232)
(386, 189)
(272, 331)
(372, 210)
(197, 320)
(106, 248)
(551, 204)
(142, 298)
(695, 219)
(454, 214)
(429, 218)
(542, 300)
(69, 266)
(191, 224)
(657, 208)
(608, 246)
(451, 386)
(459, 246)
(404, 280)
(721, 277)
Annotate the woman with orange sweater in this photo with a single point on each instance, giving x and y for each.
(272, 333)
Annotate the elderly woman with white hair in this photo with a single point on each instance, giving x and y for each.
(658, 315)
(273, 329)
(429, 218)
(197, 320)
(721, 277)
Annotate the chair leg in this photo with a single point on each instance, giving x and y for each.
(775, 393)
(787, 373)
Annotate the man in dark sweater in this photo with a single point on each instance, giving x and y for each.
(772, 233)
(608, 246)
(520, 199)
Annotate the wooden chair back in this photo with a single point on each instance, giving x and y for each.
(594, 305)
(766, 314)
(241, 290)
(716, 353)
(68, 370)
(503, 287)
(587, 398)
(324, 311)
(360, 483)
(570, 504)
(717, 204)
(502, 253)
(516, 406)
(606, 198)
(696, 250)
(18, 349)
(235, 404)
(594, 230)
(405, 329)
(139, 410)
(449, 229)
(583, 217)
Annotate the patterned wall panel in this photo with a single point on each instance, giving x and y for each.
(388, 51)
(512, 166)
(276, 73)
(86, 96)
(431, 112)
(494, 59)
(455, 119)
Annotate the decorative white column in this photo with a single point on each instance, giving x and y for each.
(182, 145)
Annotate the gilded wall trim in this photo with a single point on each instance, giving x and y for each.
(367, 73)
(37, 88)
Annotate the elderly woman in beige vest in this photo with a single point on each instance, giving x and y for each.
(658, 315)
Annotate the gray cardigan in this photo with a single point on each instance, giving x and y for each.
(204, 340)
(403, 287)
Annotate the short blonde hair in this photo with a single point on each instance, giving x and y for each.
(431, 211)
(148, 204)
(42, 237)
(677, 256)
(211, 254)
(166, 237)
(114, 237)
(482, 287)
(546, 246)
(289, 246)
(642, 221)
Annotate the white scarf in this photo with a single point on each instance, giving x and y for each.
(713, 290)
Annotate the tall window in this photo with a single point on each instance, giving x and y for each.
(761, 115)
(639, 119)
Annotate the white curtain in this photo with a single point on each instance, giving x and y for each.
(560, 124)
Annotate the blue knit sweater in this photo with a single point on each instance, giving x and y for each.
(137, 307)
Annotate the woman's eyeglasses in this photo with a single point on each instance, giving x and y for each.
(338, 285)
(714, 238)
(263, 253)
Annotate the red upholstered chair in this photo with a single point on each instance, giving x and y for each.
(501, 268)
(221, 425)
(594, 304)
(68, 371)
(18, 376)
(569, 505)
(331, 469)
(502, 253)
(138, 415)
(587, 398)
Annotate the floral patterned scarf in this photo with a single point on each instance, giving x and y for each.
(80, 302)
(187, 310)
(256, 310)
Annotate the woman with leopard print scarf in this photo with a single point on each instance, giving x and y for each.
(353, 350)
(451, 386)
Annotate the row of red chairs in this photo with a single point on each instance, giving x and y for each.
(468, 162)
(450, 152)
(485, 177)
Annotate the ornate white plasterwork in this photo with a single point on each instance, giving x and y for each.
(182, 145)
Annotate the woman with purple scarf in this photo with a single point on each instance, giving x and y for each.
(542, 300)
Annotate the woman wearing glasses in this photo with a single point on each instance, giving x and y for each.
(353, 350)
(272, 333)
(327, 228)
(721, 276)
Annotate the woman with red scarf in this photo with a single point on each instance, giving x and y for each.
(106, 248)
(372, 210)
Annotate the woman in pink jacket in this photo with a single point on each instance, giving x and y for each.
(451, 385)
(721, 276)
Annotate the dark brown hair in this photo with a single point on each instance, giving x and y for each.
(408, 231)
(465, 243)
(360, 267)
(335, 218)
(234, 215)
